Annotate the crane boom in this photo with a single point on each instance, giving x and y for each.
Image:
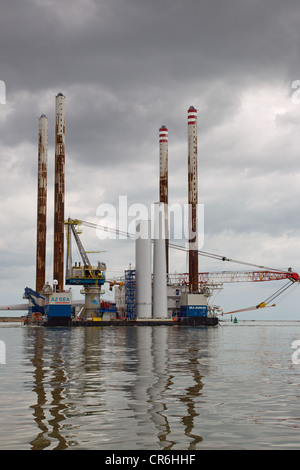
(246, 276)
(237, 276)
(84, 256)
(265, 273)
(132, 236)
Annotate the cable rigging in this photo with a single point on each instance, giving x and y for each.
(179, 247)
(293, 277)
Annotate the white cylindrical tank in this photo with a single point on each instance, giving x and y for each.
(160, 303)
(143, 270)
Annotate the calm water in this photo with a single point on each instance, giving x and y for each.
(230, 387)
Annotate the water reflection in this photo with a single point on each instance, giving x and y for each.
(152, 380)
(160, 386)
(129, 388)
(40, 442)
(48, 428)
(157, 390)
(192, 394)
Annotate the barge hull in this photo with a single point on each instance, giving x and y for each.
(200, 321)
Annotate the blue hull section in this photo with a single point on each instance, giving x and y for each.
(57, 315)
(58, 310)
(193, 311)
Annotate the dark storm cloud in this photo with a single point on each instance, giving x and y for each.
(128, 66)
(132, 43)
(139, 62)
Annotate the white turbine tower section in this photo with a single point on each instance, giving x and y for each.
(160, 303)
(143, 270)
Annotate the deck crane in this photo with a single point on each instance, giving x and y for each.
(182, 248)
(268, 302)
(37, 302)
(77, 274)
(258, 276)
(90, 277)
(213, 279)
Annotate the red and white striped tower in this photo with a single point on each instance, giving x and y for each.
(163, 183)
(59, 191)
(42, 204)
(193, 199)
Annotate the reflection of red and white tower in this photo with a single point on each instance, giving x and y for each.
(193, 199)
(59, 191)
(163, 182)
(42, 204)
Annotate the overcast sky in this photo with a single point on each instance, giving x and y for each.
(126, 67)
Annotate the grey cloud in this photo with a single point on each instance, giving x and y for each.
(132, 43)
